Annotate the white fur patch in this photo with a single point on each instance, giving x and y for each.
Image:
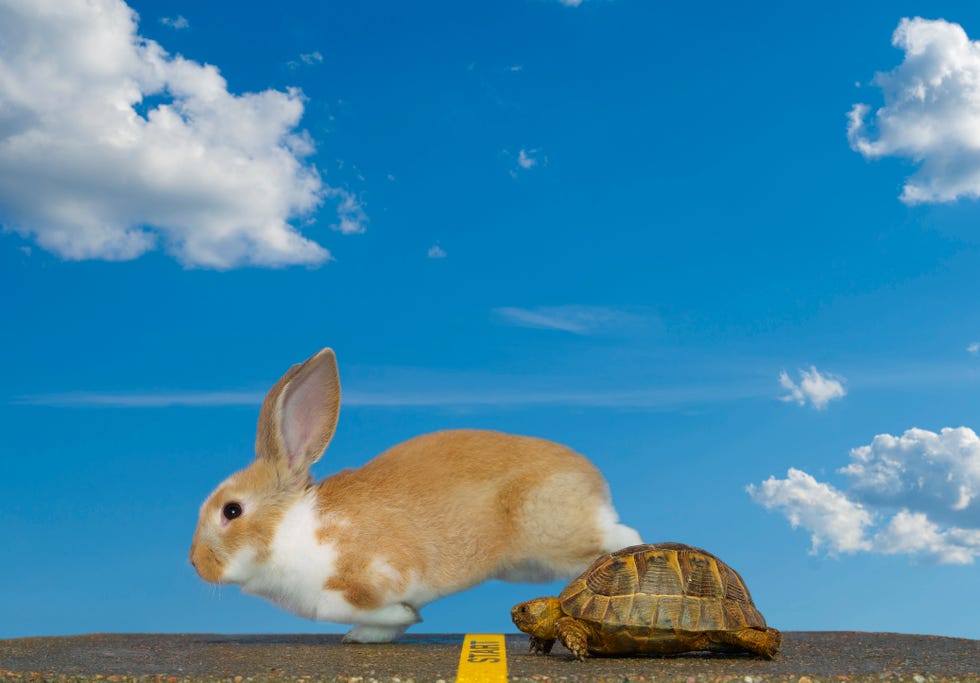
(419, 593)
(373, 634)
(615, 535)
(385, 571)
(299, 566)
(239, 567)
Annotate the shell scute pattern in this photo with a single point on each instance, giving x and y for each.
(668, 586)
(640, 613)
(620, 609)
(734, 588)
(614, 578)
(690, 619)
(713, 614)
(657, 599)
(668, 614)
(702, 578)
(661, 575)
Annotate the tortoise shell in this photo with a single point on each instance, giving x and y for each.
(645, 590)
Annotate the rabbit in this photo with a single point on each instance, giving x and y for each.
(431, 516)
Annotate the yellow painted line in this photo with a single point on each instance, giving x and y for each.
(483, 659)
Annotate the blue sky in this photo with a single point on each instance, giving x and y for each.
(731, 254)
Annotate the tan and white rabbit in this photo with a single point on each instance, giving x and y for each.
(431, 516)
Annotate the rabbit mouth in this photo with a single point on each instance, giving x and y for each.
(206, 564)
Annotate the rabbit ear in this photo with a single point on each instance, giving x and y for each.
(299, 414)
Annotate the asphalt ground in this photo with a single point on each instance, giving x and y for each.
(806, 657)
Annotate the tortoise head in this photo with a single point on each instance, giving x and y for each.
(538, 617)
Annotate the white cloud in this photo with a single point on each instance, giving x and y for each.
(453, 392)
(571, 3)
(917, 494)
(817, 388)
(177, 22)
(311, 57)
(435, 251)
(576, 319)
(525, 160)
(911, 533)
(111, 147)
(350, 211)
(938, 474)
(931, 113)
(161, 399)
(825, 512)
(307, 58)
(973, 348)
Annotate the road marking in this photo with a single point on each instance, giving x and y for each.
(483, 659)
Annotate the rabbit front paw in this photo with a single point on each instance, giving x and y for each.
(368, 633)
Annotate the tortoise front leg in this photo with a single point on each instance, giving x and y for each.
(541, 646)
(573, 635)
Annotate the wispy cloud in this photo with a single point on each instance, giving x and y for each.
(162, 399)
(931, 112)
(178, 22)
(450, 389)
(577, 319)
(467, 392)
(525, 160)
(164, 128)
(974, 348)
(815, 388)
(435, 251)
(350, 211)
(917, 494)
(637, 399)
(307, 59)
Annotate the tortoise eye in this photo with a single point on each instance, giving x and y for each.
(231, 511)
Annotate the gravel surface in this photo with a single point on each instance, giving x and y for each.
(806, 657)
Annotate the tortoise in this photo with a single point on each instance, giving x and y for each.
(650, 599)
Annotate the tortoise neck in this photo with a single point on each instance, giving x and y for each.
(554, 612)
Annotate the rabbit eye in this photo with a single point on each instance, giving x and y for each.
(231, 511)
